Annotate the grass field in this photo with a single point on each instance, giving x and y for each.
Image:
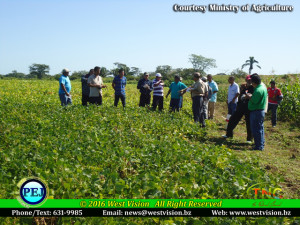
(107, 152)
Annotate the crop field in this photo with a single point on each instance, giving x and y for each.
(114, 153)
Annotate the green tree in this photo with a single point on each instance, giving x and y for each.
(134, 71)
(104, 72)
(165, 71)
(78, 74)
(186, 73)
(16, 74)
(39, 70)
(120, 66)
(250, 62)
(201, 63)
(238, 73)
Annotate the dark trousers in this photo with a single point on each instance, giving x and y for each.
(123, 99)
(145, 99)
(158, 100)
(85, 99)
(198, 110)
(96, 100)
(273, 108)
(235, 119)
(175, 104)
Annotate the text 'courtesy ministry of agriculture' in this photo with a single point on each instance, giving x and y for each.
(257, 8)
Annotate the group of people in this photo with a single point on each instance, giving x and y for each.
(204, 94)
(251, 100)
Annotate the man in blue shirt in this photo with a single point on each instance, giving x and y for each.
(65, 88)
(213, 99)
(175, 89)
(118, 85)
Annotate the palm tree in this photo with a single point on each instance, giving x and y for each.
(250, 62)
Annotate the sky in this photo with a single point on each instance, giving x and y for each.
(81, 34)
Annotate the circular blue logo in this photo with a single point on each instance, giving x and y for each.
(33, 191)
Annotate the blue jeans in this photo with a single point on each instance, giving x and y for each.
(257, 128)
(273, 108)
(65, 100)
(231, 108)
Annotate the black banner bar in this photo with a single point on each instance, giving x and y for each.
(150, 212)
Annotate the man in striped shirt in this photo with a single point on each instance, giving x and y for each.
(158, 92)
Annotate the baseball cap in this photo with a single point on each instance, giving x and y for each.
(204, 79)
(158, 75)
(146, 74)
(65, 70)
(248, 77)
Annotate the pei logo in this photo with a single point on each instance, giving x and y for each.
(33, 192)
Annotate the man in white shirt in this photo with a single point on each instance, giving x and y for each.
(233, 94)
(96, 84)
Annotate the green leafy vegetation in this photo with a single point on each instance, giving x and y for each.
(107, 152)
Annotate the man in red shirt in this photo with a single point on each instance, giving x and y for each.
(274, 95)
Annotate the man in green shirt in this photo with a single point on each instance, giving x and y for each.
(256, 105)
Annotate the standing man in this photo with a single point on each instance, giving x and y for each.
(118, 85)
(275, 95)
(96, 84)
(199, 92)
(241, 110)
(158, 93)
(213, 99)
(85, 88)
(206, 99)
(175, 89)
(145, 86)
(65, 88)
(233, 94)
(256, 106)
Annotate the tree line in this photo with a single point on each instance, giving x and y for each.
(199, 63)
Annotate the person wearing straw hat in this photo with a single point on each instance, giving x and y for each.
(65, 88)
